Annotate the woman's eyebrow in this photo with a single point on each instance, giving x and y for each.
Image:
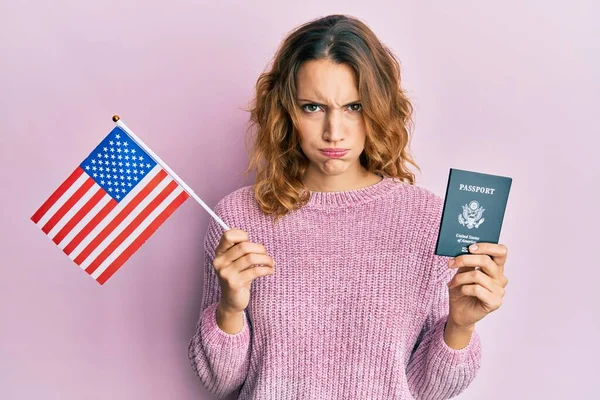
(324, 105)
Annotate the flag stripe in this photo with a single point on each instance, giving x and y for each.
(65, 195)
(100, 224)
(103, 274)
(67, 222)
(56, 195)
(74, 198)
(112, 203)
(130, 227)
(92, 210)
(117, 224)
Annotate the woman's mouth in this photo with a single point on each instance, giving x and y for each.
(334, 153)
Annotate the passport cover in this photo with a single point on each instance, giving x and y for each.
(473, 211)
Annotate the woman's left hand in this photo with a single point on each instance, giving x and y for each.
(474, 293)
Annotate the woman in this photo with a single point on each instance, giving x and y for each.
(328, 286)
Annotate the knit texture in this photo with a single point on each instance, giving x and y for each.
(355, 310)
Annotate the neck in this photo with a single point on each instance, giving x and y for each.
(338, 183)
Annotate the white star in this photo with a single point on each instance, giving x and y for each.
(135, 171)
(127, 164)
(123, 190)
(106, 156)
(102, 182)
(120, 157)
(120, 164)
(99, 154)
(114, 177)
(109, 182)
(141, 158)
(129, 184)
(112, 156)
(128, 171)
(95, 174)
(125, 144)
(100, 162)
(101, 175)
(118, 197)
(105, 149)
(87, 167)
(135, 178)
(122, 177)
(133, 151)
(127, 157)
(93, 168)
(128, 177)
(147, 165)
(112, 149)
(141, 171)
(126, 150)
(93, 161)
(134, 157)
(121, 170)
(111, 142)
(122, 183)
(118, 143)
(110, 189)
(118, 136)
(118, 150)
(135, 164)
(101, 168)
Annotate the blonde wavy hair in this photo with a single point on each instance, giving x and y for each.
(276, 155)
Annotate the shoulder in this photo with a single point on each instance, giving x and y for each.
(422, 203)
(237, 196)
(240, 201)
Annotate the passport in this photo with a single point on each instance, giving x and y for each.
(473, 211)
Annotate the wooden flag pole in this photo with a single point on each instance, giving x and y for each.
(156, 158)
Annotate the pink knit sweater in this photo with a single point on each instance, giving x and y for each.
(356, 307)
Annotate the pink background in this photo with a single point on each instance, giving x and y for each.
(509, 88)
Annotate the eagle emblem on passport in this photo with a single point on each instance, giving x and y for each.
(471, 215)
(473, 193)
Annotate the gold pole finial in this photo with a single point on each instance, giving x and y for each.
(116, 118)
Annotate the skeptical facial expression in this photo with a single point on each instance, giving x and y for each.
(330, 116)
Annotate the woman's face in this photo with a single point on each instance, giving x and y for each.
(330, 117)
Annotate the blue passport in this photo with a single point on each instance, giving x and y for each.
(473, 211)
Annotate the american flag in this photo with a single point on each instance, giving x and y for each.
(109, 206)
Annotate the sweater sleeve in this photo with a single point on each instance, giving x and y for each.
(435, 370)
(221, 360)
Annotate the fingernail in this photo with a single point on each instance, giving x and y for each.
(474, 247)
(451, 262)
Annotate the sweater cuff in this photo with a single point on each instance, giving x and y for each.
(470, 355)
(213, 335)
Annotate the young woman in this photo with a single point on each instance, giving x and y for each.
(328, 286)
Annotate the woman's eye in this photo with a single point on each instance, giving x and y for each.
(356, 107)
(311, 108)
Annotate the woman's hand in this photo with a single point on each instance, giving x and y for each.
(237, 263)
(474, 293)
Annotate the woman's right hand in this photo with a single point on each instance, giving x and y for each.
(237, 263)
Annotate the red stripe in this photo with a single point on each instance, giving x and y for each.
(68, 205)
(124, 256)
(112, 203)
(131, 227)
(120, 216)
(79, 215)
(56, 195)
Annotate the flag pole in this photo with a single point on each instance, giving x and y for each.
(156, 158)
